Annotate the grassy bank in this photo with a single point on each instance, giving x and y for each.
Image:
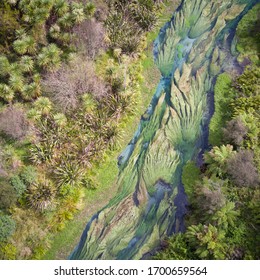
(106, 172)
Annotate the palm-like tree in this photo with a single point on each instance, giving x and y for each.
(60, 119)
(55, 31)
(207, 241)
(217, 159)
(41, 195)
(69, 172)
(50, 57)
(26, 63)
(16, 82)
(25, 44)
(44, 105)
(61, 7)
(66, 20)
(4, 66)
(33, 114)
(226, 216)
(6, 93)
(30, 91)
(78, 13)
(20, 46)
(89, 9)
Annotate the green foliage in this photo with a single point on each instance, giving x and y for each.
(208, 241)
(50, 57)
(39, 35)
(28, 174)
(7, 227)
(248, 35)
(127, 22)
(217, 159)
(8, 195)
(43, 105)
(9, 22)
(18, 185)
(68, 172)
(190, 175)
(40, 195)
(8, 251)
(226, 216)
(223, 95)
(176, 249)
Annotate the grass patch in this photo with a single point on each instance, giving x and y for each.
(190, 174)
(223, 96)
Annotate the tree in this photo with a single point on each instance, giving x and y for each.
(44, 105)
(207, 241)
(226, 216)
(176, 248)
(217, 159)
(27, 63)
(25, 44)
(241, 169)
(50, 57)
(4, 66)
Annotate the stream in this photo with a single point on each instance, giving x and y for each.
(191, 50)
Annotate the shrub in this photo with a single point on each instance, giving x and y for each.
(210, 197)
(71, 81)
(41, 194)
(90, 37)
(241, 169)
(29, 174)
(235, 132)
(8, 195)
(13, 122)
(7, 227)
(18, 185)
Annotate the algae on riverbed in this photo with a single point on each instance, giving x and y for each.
(170, 133)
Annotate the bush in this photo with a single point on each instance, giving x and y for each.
(241, 169)
(7, 227)
(13, 123)
(71, 81)
(210, 197)
(29, 174)
(8, 195)
(90, 37)
(41, 195)
(18, 185)
(235, 132)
